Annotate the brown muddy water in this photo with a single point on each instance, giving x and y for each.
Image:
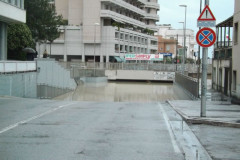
(126, 92)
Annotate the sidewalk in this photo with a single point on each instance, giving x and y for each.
(218, 113)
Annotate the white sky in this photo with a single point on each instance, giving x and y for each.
(171, 13)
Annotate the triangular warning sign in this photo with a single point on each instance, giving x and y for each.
(206, 15)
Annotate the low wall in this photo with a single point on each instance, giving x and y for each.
(139, 75)
(49, 81)
(17, 66)
(188, 84)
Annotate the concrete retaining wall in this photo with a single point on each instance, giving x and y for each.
(139, 75)
(19, 84)
(50, 73)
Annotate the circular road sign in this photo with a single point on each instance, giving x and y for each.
(206, 37)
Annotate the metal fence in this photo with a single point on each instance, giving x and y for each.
(187, 83)
(190, 68)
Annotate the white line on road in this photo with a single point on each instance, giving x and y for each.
(174, 143)
(33, 118)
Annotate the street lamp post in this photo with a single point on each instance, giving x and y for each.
(95, 24)
(183, 43)
(185, 22)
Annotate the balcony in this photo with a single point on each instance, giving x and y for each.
(152, 5)
(120, 18)
(12, 12)
(16, 3)
(125, 5)
(152, 16)
(223, 54)
(222, 44)
(142, 1)
(153, 27)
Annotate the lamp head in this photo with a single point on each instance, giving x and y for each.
(182, 5)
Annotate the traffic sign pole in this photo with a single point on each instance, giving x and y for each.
(204, 78)
(204, 82)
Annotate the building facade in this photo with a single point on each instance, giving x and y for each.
(222, 58)
(11, 11)
(104, 29)
(167, 46)
(167, 32)
(236, 53)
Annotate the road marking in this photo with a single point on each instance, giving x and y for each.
(33, 118)
(174, 143)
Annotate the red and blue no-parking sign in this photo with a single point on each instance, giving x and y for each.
(206, 37)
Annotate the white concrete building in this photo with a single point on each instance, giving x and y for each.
(166, 31)
(11, 11)
(93, 29)
(236, 53)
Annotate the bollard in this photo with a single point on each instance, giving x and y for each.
(196, 154)
(182, 125)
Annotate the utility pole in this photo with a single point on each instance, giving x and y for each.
(204, 77)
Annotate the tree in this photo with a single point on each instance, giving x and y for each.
(43, 20)
(19, 37)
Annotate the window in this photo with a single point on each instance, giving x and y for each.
(167, 47)
(235, 33)
(148, 22)
(148, 10)
(234, 87)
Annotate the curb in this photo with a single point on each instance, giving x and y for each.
(198, 120)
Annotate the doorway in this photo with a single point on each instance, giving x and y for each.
(226, 81)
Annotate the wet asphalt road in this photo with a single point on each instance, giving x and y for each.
(63, 130)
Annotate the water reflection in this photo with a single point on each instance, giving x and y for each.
(126, 92)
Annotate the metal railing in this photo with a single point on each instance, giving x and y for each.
(223, 44)
(190, 68)
(187, 83)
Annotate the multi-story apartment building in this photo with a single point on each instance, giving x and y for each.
(105, 29)
(11, 11)
(166, 31)
(236, 53)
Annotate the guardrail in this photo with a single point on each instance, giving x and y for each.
(17, 66)
(187, 83)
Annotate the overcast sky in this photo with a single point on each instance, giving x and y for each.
(171, 13)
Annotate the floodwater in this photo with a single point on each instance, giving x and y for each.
(126, 92)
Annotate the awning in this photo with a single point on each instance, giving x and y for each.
(118, 59)
(123, 59)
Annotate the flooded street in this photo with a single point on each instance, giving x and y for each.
(126, 92)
